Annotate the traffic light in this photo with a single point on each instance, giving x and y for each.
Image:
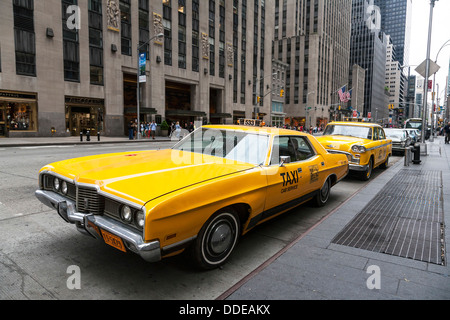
(258, 99)
(281, 93)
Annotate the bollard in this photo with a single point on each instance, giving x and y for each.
(98, 136)
(408, 156)
(88, 136)
(81, 136)
(416, 159)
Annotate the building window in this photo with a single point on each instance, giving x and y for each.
(96, 42)
(24, 36)
(144, 27)
(182, 34)
(212, 42)
(195, 35)
(125, 13)
(71, 47)
(167, 23)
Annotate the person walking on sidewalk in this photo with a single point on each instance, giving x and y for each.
(447, 133)
(153, 129)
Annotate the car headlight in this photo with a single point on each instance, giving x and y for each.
(358, 149)
(126, 214)
(140, 219)
(64, 187)
(56, 183)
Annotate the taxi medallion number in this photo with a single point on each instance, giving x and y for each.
(113, 240)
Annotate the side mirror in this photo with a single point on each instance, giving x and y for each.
(284, 159)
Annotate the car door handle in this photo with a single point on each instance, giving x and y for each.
(299, 170)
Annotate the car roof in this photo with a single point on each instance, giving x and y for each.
(356, 124)
(259, 130)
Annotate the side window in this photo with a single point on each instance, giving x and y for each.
(280, 148)
(302, 148)
(382, 134)
(298, 148)
(375, 134)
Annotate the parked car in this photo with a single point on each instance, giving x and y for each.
(414, 135)
(215, 185)
(400, 139)
(364, 142)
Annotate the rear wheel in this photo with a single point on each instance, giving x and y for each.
(324, 193)
(217, 239)
(385, 164)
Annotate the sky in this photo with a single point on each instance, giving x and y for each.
(440, 35)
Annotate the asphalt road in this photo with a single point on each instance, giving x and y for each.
(40, 253)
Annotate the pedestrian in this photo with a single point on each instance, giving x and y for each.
(130, 130)
(153, 129)
(447, 133)
(177, 130)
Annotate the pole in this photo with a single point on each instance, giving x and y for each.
(427, 75)
(138, 85)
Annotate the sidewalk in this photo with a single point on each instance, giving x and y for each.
(387, 242)
(45, 141)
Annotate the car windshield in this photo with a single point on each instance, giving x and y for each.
(414, 125)
(395, 134)
(227, 144)
(352, 131)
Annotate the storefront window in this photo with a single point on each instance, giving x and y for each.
(20, 116)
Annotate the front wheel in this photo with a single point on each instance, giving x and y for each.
(217, 239)
(365, 176)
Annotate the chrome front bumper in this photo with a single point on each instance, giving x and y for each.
(90, 224)
(358, 167)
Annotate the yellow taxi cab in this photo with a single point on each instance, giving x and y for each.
(365, 143)
(212, 187)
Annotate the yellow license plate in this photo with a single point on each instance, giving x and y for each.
(113, 240)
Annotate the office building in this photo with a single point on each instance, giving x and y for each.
(71, 66)
(313, 39)
(368, 50)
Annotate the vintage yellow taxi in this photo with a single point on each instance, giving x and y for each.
(365, 144)
(203, 194)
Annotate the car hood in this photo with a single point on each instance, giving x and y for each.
(341, 143)
(145, 175)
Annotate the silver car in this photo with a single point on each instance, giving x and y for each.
(400, 139)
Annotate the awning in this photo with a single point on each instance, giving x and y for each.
(185, 113)
(220, 115)
(128, 110)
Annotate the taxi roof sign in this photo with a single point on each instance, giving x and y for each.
(250, 122)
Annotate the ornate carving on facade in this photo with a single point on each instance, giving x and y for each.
(230, 54)
(157, 26)
(205, 46)
(113, 15)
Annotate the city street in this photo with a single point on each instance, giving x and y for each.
(38, 250)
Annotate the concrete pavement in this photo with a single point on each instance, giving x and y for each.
(314, 266)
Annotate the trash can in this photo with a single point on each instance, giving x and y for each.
(416, 151)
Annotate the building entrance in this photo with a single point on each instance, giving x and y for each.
(2, 121)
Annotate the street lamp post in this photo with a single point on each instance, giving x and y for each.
(434, 92)
(138, 84)
(427, 75)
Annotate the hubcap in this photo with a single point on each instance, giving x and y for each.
(221, 237)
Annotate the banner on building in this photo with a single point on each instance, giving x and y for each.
(142, 65)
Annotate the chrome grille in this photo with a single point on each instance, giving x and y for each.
(89, 201)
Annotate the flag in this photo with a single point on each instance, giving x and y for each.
(344, 96)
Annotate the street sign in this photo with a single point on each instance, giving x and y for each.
(421, 69)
